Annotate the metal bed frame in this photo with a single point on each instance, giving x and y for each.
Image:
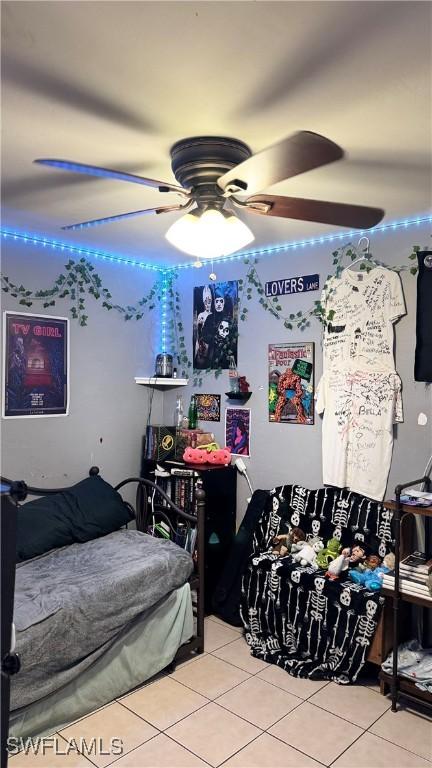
(142, 513)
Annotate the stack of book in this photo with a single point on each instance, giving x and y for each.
(414, 571)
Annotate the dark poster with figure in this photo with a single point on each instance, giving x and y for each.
(215, 325)
(35, 365)
(237, 430)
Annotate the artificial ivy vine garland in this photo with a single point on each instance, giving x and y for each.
(80, 280)
(301, 320)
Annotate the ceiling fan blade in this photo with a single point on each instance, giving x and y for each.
(69, 91)
(341, 214)
(94, 170)
(296, 154)
(120, 216)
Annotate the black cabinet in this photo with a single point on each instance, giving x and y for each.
(220, 487)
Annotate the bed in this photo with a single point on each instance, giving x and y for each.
(97, 617)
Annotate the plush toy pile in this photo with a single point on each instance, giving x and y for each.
(310, 599)
(207, 454)
(350, 562)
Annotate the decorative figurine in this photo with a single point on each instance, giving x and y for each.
(243, 384)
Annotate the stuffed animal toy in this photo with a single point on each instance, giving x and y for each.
(220, 456)
(308, 553)
(211, 454)
(339, 564)
(328, 554)
(195, 455)
(358, 554)
(370, 578)
(370, 563)
(286, 543)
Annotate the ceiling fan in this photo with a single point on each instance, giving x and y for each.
(218, 175)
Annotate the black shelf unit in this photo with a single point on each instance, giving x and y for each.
(400, 686)
(219, 484)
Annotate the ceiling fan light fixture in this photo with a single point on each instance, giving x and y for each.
(209, 235)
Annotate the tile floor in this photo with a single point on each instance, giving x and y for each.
(228, 709)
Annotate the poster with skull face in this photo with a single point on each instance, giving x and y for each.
(215, 325)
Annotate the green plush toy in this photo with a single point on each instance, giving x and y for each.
(328, 554)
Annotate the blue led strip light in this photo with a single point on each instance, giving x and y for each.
(313, 241)
(164, 312)
(76, 250)
(293, 245)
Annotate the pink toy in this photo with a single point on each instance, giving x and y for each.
(221, 456)
(195, 455)
(204, 456)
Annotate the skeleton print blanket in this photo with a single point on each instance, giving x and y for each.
(295, 617)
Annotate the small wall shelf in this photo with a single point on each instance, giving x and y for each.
(160, 382)
(242, 396)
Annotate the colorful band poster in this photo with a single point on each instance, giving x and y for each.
(209, 407)
(291, 383)
(237, 430)
(35, 365)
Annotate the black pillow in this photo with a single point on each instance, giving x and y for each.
(89, 509)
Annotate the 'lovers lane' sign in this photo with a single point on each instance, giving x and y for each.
(292, 285)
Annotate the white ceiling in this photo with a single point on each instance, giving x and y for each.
(117, 83)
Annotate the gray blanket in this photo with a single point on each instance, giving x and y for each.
(71, 604)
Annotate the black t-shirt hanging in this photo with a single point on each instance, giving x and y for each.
(423, 353)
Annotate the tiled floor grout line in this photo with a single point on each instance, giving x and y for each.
(292, 745)
(208, 701)
(347, 748)
(378, 737)
(161, 733)
(326, 682)
(224, 645)
(226, 625)
(319, 706)
(220, 694)
(229, 756)
(215, 701)
(239, 750)
(383, 738)
(212, 653)
(86, 757)
(188, 750)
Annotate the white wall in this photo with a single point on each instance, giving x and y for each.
(283, 453)
(108, 411)
(107, 354)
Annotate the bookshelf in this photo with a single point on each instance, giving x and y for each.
(400, 686)
(219, 484)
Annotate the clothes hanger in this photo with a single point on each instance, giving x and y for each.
(365, 255)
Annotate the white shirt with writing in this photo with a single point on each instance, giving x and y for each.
(357, 442)
(362, 307)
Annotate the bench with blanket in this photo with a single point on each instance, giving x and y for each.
(294, 616)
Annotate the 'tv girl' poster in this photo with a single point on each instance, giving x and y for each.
(35, 365)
